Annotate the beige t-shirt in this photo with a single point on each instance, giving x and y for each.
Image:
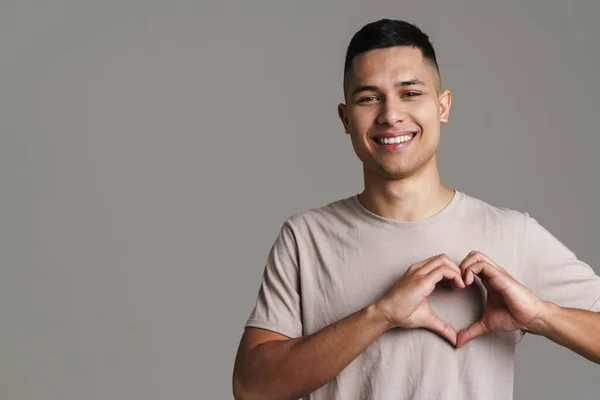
(329, 262)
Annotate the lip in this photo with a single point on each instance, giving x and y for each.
(393, 146)
(391, 134)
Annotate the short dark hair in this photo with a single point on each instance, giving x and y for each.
(387, 33)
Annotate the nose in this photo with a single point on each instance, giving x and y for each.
(391, 113)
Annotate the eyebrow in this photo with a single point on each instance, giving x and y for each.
(371, 88)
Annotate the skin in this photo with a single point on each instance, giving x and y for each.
(511, 306)
(403, 186)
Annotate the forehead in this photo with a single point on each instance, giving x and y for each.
(382, 67)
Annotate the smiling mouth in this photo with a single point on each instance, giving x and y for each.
(394, 140)
(395, 144)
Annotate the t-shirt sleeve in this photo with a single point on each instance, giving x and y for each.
(555, 274)
(278, 304)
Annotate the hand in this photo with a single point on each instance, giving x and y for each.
(510, 306)
(406, 305)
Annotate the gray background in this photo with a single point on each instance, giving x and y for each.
(150, 151)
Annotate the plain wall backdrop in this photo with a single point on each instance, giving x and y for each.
(151, 150)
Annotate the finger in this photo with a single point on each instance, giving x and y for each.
(419, 266)
(451, 284)
(443, 271)
(470, 333)
(471, 258)
(437, 262)
(474, 257)
(468, 277)
(496, 278)
(441, 328)
(458, 282)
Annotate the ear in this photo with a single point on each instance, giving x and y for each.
(343, 116)
(445, 99)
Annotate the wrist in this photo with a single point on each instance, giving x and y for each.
(542, 323)
(379, 315)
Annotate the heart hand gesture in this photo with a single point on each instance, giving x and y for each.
(510, 306)
(406, 305)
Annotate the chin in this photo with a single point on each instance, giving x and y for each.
(394, 172)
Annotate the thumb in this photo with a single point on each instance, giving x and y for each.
(477, 329)
(441, 328)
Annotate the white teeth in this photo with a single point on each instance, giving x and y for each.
(397, 139)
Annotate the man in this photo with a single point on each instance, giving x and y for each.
(408, 290)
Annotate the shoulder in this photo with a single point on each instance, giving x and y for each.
(333, 216)
(483, 210)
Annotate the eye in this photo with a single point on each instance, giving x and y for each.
(414, 94)
(366, 99)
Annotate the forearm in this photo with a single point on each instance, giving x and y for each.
(576, 329)
(290, 369)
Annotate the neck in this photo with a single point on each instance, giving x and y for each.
(412, 198)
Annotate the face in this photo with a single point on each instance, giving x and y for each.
(394, 92)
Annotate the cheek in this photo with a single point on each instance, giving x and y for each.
(428, 113)
(426, 118)
(360, 122)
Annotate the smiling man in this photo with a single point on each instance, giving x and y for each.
(410, 289)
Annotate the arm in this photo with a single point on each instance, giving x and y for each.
(511, 306)
(570, 288)
(576, 329)
(271, 366)
(281, 368)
